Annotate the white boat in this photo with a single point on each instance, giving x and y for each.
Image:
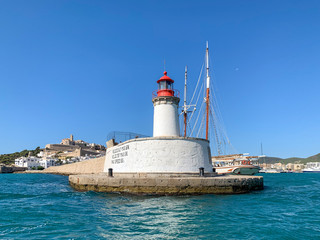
(271, 170)
(235, 164)
(312, 167)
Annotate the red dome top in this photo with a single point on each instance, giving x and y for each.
(165, 78)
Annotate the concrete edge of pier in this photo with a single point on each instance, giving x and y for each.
(164, 185)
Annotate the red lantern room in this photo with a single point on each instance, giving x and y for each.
(165, 87)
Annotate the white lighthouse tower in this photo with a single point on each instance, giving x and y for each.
(165, 102)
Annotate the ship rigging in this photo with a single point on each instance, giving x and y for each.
(202, 117)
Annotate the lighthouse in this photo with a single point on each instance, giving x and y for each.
(166, 152)
(166, 102)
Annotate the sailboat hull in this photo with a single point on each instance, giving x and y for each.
(238, 170)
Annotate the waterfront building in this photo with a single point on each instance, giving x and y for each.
(34, 162)
(47, 162)
(312, 167)
(279, 166)
(296, 167)
(80, 158)
(29, 162)
(265, 165)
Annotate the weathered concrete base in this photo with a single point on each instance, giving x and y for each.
(164, 185)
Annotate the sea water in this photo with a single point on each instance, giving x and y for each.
(39, 206)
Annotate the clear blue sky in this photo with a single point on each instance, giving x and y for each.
(89, 67)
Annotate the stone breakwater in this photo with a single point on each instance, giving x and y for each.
(88, 176)
(165, 185)
(92, 166)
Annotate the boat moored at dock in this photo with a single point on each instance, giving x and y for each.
(235, 164)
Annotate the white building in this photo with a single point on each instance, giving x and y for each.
(312, 167)
(34, 162)
(28, 162)
(41, 154)
(47, 162)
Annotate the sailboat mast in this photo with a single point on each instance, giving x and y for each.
(185, 102)
(207, 95)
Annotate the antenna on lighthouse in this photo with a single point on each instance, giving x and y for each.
(185, 102)
(208, 87)
(185, 88)
(185, 106)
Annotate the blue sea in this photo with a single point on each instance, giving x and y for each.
(39, 206)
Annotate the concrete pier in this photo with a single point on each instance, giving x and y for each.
(159, 184)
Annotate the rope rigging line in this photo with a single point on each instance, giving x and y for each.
(197, 84)
(221, 132)
(201, 128)
(216, 133)
(196, 121)
(195, 124)
(199, 94)
(214, 102)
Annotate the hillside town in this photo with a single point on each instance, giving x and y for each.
(68, 151)
(289, 167)
(281, 167)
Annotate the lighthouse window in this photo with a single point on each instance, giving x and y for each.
(162, 85)
(169, 85)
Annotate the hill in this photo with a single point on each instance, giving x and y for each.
(271, 160)
(9, 158)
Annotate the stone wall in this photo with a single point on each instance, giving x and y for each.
(86, 167)
(60, 147)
